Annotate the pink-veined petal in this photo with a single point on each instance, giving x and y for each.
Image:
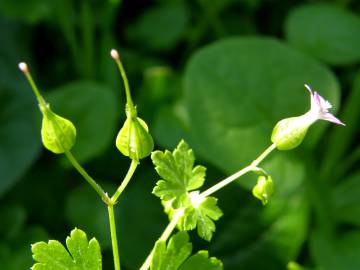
(320, 107)
(331, 118)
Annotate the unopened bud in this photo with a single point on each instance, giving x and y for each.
(114, 54)
(264, 189)
(134, 139)
(23, 67)
(58, 134)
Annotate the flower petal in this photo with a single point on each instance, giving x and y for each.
(331, 118)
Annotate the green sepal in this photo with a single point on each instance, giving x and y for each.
(134, 139)
(290, 132)
(58, 134)
(264, 189)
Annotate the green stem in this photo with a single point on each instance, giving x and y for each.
(87, 177)
(169, 229)
(114, 241)
(36, 91)
(126, 83)
(264, 154)
(236, 175)
(226, 181)
(165, 235)
(125, 182)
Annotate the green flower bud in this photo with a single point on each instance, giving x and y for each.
(134, 139)
(264, 189)
(290, 132)
(58, 134)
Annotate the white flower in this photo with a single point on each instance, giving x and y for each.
(320, 108)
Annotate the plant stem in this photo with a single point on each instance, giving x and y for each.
(167, 232)
(125, 182)
(165, 235)
(35, 89)
(236, 175)
(114, 242)
(264, 154)
(87, 177)
(129, 101)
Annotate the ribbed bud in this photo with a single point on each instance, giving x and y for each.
(58, 134)
(134, 139)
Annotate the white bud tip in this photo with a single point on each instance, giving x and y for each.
(114, 54)
(23, 67)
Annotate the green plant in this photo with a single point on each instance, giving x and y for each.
(186, 206)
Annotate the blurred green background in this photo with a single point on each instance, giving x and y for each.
(217, 73)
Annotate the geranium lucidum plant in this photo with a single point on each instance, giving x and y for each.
(178, 189)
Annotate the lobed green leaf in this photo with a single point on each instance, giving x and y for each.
(178, 174)
(81, 254)
(200, 215)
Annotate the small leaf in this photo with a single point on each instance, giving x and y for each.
(178, 173)
(53, 255)
(175, 255)
(201, 213)
(172, 255)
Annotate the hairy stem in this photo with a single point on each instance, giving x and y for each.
(165, 235)
(114, 241)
